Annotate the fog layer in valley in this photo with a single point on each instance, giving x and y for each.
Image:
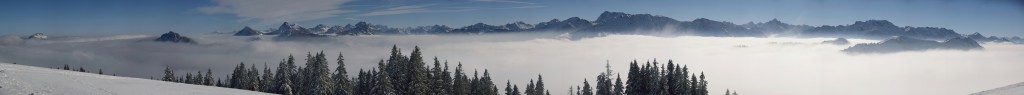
(762, 66)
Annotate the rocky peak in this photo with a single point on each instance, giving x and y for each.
(174, 38)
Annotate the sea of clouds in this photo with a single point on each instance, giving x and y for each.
(764, 66)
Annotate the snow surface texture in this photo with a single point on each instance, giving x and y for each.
(1013, 89)
(27, 80)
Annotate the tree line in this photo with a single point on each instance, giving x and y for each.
(410, 75)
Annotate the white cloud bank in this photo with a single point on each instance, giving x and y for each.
(761, 66)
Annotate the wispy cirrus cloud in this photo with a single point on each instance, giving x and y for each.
(410, 9)
(506, 1)
(276, 11)
(425, 8)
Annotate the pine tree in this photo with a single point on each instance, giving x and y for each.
(539, 87)
(703, 85)
(168, 74)
(438, 79)
(586, 88)
(633, 84)
(66, 67)
(461, 85)
(671, 80)
(530, 88)
(199, 78)
(508, 87)
(188, 78)
(253, 78)
(618, 86)
(342, 85)
(218, 83)
(399, 70)
(100, 72)
(237, 79)
(515, 90)
(604, 83)
(684, 84)
(285, 70)
(485, 83)
(384, 85)
(419, 77)
(208, 80)
(316, 77)
(266, 80)
(727, 92)
(694, 85)
(447, 78)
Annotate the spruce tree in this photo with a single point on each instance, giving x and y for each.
(633, 84)
(461, 85)
(703, 85)
(285, 70)
(508, 87)
(316, 77)
(530, 89)
(438, 81)
(399, 69)
(727, 92)
(684, 84)
(342, 85)
(384, 85)
(238, 76)
(188, 78)
(586, 88)
(618, 86)
(419, 77)
(447, 78)
(253, 78)
(100, 72)
(515, 90)
(539, 88)
(199, 78)
(168, 74)
(488, 86)
(208, 80)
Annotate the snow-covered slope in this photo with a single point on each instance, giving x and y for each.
(1014, 89)
(27, 80)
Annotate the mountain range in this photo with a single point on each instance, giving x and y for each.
(641, 24)
(904, 43)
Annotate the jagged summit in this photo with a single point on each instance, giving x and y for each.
(247, 31)
(174, 38)
(37, 36)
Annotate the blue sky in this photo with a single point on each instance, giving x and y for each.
(110, 17)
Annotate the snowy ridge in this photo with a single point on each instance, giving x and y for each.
(27, 80)
(646, 24)
(1013, 89)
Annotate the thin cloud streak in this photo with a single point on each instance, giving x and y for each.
(410, 9)
(276, 11)
(506, 1)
